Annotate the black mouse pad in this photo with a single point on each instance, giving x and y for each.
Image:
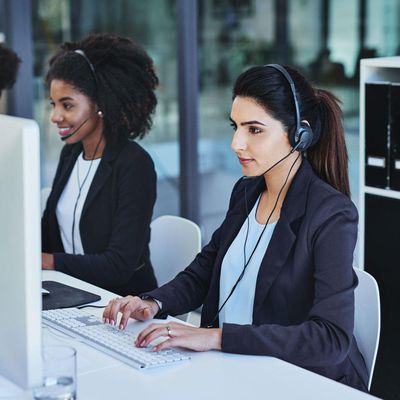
(64, 296)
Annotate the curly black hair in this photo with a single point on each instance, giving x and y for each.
(122, 84)
(9, 62)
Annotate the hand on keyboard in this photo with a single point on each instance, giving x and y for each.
(117, 343)
(180, 335)
(129, 307)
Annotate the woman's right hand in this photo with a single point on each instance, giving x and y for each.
(129, 307)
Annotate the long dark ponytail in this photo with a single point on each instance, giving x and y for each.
(328, 153)
(329, 157)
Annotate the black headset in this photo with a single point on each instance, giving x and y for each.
(302, 136)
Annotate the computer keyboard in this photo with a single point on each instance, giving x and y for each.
(108, 339)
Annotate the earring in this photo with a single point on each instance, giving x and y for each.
(100, 114)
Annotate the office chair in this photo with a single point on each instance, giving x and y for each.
(367, 319)
(44, 194)
(174, 243)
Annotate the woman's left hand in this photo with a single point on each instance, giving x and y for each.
(180, 335)
(47, 261)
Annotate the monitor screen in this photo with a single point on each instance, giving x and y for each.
(20, 252)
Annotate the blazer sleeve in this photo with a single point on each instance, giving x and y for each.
(187, 290)
(129, 233)
(325, 336)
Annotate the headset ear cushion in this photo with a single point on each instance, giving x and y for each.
(305, 137)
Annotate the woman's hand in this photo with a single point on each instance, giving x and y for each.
(180, 335)
(129, 307)
(47, 261)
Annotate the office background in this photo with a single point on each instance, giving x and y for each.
(324, 38)
(199, 47)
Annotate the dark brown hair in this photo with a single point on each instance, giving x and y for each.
(328, 153)
(329, 156)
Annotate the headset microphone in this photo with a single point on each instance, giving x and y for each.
(99, 113)
(274, 165)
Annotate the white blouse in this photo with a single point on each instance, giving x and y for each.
(80, 180)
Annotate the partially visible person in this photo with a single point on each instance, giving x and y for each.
(96, 225)
(9, 64)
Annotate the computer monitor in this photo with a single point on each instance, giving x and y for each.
(20, 252)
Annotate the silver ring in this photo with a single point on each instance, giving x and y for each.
(168, 330)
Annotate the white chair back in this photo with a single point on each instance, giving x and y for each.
(44, 194)
(174, 243)
(367, 319)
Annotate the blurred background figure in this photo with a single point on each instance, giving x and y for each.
(9, 63)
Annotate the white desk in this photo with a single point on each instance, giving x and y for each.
(207, 375)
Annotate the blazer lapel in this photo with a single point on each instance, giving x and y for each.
(278, 250)
(283, 237)
(66, 169)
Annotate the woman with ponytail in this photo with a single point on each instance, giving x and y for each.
(276, 279)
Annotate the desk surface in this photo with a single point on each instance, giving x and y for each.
(207, 375)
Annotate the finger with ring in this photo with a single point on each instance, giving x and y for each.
(168, 330)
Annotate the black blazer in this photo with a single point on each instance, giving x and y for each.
(304, 301)
(115, 221)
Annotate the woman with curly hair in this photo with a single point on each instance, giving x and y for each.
(96, 225)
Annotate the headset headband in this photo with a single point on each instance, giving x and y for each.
(289, 79)
(91, 66)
